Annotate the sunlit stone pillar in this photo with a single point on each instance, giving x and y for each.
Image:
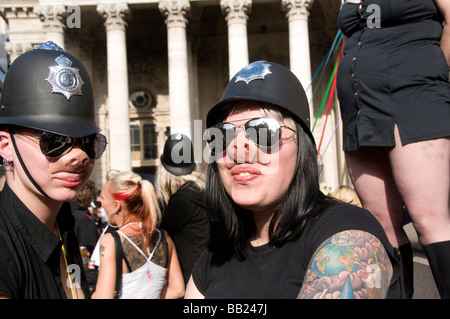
(297, 13)
(236, 17)
(175, 12)
(118, 110)
(52, 16)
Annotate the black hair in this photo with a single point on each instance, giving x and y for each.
(232, 226)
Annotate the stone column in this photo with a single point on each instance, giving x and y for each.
(297, 13)
(175, 13)
(53, 18)
(118, 110)
(236, 17)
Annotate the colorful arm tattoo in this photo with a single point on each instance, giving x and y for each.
(352, 264)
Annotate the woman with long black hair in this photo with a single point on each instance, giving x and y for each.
(273, 233)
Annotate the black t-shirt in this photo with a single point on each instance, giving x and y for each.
(186, 222)
(271, 273)
(30, 252)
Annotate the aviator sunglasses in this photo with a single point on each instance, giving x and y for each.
(265, 132)
(54, 145)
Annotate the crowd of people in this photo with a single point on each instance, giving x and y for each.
(254, 223)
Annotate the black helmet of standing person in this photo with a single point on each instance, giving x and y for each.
(50, 90)
(178, 155)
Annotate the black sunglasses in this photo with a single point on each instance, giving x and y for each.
(54, 145)
(263, 131)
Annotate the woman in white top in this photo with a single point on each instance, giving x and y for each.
(150, 267)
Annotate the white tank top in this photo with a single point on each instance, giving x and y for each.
(145, 282)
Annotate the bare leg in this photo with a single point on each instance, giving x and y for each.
(371, 174)
(372, 178)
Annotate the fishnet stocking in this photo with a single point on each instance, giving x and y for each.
(422, 174)
(417, 175)
(371, 174)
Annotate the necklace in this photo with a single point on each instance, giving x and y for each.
(65, 261)
(132, 223)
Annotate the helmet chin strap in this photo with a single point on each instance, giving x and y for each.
(25, 168)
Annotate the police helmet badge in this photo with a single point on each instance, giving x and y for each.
(254, 71)
(63, 78)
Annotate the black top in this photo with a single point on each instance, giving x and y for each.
(271, 273)
(186, 222)
(30, 252)
(392, 73)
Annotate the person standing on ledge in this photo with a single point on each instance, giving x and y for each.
(394, 94)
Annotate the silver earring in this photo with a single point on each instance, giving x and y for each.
(7, 165)
(115, 226)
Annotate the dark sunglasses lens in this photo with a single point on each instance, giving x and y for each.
(94, 145)
(54, 145)
(265, 132)
(219, 136)
(228, 131)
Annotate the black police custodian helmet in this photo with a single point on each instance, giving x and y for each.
(267, 82)
(178, 155)
(50, 90)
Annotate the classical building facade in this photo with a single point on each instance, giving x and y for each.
(158, 65)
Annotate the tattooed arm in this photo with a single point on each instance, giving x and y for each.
(350, 264)
(106, 280)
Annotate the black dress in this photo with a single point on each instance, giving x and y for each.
(393, 72)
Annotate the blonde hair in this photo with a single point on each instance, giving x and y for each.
(167, 184)
(347, 195)
(138, 196)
